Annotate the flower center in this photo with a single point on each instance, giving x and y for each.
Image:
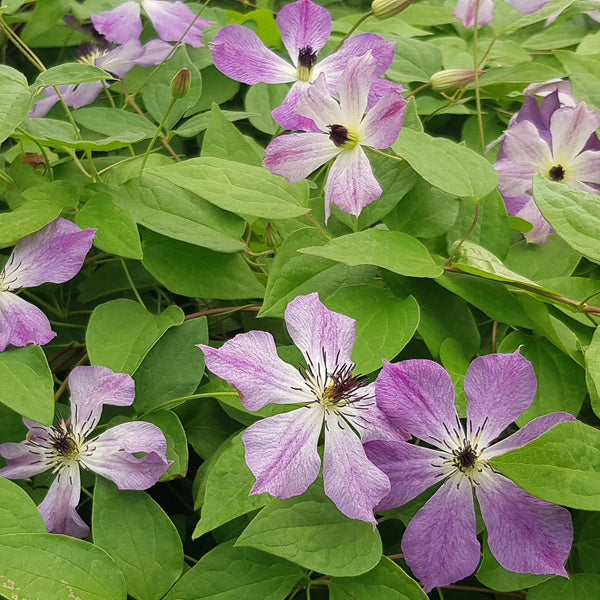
(556, 173)
(65, 446)
(342, 137)
(307, 59)
(342, 387)
(89, 53)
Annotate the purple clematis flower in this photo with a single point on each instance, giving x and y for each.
(525, 534)
(559, 142)
(281, 451)
(170, 20)
(465, 10)
(65, 448)
(53, 254)
(305, 27)
(344, 128)
(117, 61)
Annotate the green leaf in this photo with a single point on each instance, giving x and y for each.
(384, 323)
(112, 121)
(18, 513)
(392, 250)
(592, 366)
(231, 573)
(198, 272)
(579, 586)
(310, 531)
(451, 167)
(587, 541)
(414, 61)
(526, 72)
(266, 27)
(387, 581)
(261, 99)
(561, 466)
(583, 75)
(177, 448)
(71, 73)
(141, 539)
(239, 188)
(26, 383)
(121, 332)
(15, 100)
(199, 123)
(574, 214)
(54, 567)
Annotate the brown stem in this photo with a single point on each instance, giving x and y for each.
(219, 311)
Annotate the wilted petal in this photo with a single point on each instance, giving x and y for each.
(382, 124)
(172, 19)
(499, 387)
(249, 362)
(281, 451)
(351, 184)
(528, 6)
(525, 534)
(465, 12)
(303, 24)
(53, 254)
(285, 114)
(350, 479)
(91, 388)
(120, 24)
(240, 54)
(58, 507)
(22, 323)
(23, 459)
(440, 543)
(571, 128)
(317, 104)
(353, 89)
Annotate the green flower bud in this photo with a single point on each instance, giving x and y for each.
(180, 84)
(384, 9)
(450, 79)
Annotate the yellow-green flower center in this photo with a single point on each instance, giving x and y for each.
(343, 137)
(307, 59)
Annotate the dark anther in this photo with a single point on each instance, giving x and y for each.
(466, 458)
(64, 444)
(338, 134)
(557, 173)
(307, 58)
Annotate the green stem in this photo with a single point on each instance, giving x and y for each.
(130, 280)
(469, 232)
(476, 73)
(353, 29)
(392, 156)
(25, 50)
(223, 311)
(156, 134)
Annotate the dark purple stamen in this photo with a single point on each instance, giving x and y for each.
(557, 173)
(338, 134)
(307, 58)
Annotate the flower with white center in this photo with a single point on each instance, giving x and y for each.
(53, 254)
(467, 10)
(281, 451)
(305, 27)
(343, 129)
(67, 447)
(440, 545)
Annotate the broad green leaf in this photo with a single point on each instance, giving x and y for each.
(577, 289)
(561, 466)
(527, 72)
(15, 100)
(56, 567)
(216, 89)
(141, 539)
(455, 361)
(592, 365)
(199, 123)
(579, 586)
(230, 573)
(112, 121)
(71, 73)
(392, 250)
(552, 38)
(387, 581)
(18, 513)
(574, 214)
(587, 541)
(414, 61)
(266, 27)
(451, 167)
(310, 531)
(121, 332)
(384, 323)
(551, 8)
(261, 99)
(583, 75)
(239, 188)
(26, 383)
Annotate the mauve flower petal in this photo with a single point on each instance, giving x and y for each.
(121, 60)
(93, 387)
(380, 88)
(249, 362)
(54, 254)
(561, 87)
(571, 128)
(281, 451)
(351, 184)
(350, 479)
(370, 421)
(325, 337)
(172, 19)
(585, 167)
(317, 104)
(38, 433)
(285, 114)
(22, 323)
(418, 396)
(528, 6)
(23, 460)
(85, 93)
(514, 179)
(440, 543)
(43, 106)
(524, 146)
(240, 54)
(296, 155)
(465, 12)
(58, 507)
(120, 24)
(525, 534)
(516, 203)
(528, 432)
(154, 52)
(303, 24)
(409, 468)
(538, 234)
(353, 89)
(382, 124)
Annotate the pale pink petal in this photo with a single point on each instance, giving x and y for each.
(382, 124)
(281, 451)
(440, 543)
(154, 52)
(24, 459)
(43, 106)
(499, 387)
(571, 128)
(249, 362)
(528, 6)
(172, 19)
(317, 104)
(524, 146)
(541, 229)
(22, 323)
(121, 60)
(514, 179)
(380, 88)
(585, 167)
(240, 54)
(353, 89)
(120, 24)
(465, 12)
(85, 93)
(525, 534)
(285, 114)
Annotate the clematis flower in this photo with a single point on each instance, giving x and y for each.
(53, 254)
(525, 534)
(65, 448)
(560, 143)
(170, 20)
(465, 10)
(343, 129)
(305, 26)
(117, 61)
(281, 451)
(545, 88)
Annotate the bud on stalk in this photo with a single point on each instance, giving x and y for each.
(180, 84)
(450, 79)
(384, 9)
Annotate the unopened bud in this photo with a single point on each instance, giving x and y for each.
(271, 238)
(450, 79)
(180, 84)
(383, 9)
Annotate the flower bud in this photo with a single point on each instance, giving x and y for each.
(180, 84)
(450, 79)
(384, 9)
(271, 238)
